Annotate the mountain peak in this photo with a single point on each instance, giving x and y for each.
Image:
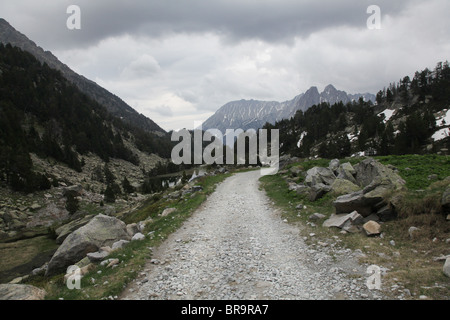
(330, 88)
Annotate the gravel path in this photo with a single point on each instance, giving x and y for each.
(236, 246)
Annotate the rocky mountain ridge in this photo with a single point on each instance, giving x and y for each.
(253, 114)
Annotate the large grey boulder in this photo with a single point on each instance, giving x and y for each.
(64, 231)
(21, 292)
(319, 175)
(101, 231)
(369, 170)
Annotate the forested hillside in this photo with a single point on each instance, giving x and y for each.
(408, 117)
(41, 112)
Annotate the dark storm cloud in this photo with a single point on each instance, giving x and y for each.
(271, 21)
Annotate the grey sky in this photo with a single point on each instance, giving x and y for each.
(177, 61)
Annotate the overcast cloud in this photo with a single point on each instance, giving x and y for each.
(178, 61)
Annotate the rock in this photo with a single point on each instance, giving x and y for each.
(317, 191)
(168, 211)
(40, 270)
(35, 206)
(197, 188)
(369, 200)
(316, 216)
(343, 186)
(340, 220)
(76, 190)
(98, 256)
(138, 236)
(372, 228)
(319, 175)
(64, 231)
(411, 231)
(21, 292)
(351, 202)
(99, 232)
(132, 229)
(347, 172)
(385, 213)
(142, 224)
(334, 165)
(372, 217)
(119, 244)
(369, 169)
(113, 262)
(302, 189)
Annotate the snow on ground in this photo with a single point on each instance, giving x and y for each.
(443, 120)
(388, 113)
(441, 134)
(299, 143)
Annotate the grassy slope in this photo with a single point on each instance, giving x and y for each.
(410, 261)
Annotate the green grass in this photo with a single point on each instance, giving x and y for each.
(415, 169)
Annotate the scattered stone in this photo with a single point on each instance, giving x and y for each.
(316, 216)
(113, 263)
(119, 244)
(168, 211)
(411, 231)
(372, 228)
(97, 256)
(132, 229)
(138, 236)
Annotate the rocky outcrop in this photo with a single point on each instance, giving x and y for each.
(379, 183)
(318, 175)
(21, 292)
(370, 170)
(101, 231)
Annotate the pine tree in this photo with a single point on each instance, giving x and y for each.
(110, 197)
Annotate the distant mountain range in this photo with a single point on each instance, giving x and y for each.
(111, 102)
(253, 114)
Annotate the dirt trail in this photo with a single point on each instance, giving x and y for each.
(236, 246)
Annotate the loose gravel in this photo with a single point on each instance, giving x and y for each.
(236, 246)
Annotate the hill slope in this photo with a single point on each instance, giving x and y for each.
(112, 103)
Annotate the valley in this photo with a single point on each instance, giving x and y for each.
(87, 181)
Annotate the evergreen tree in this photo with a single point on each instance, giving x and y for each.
(109, 194)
